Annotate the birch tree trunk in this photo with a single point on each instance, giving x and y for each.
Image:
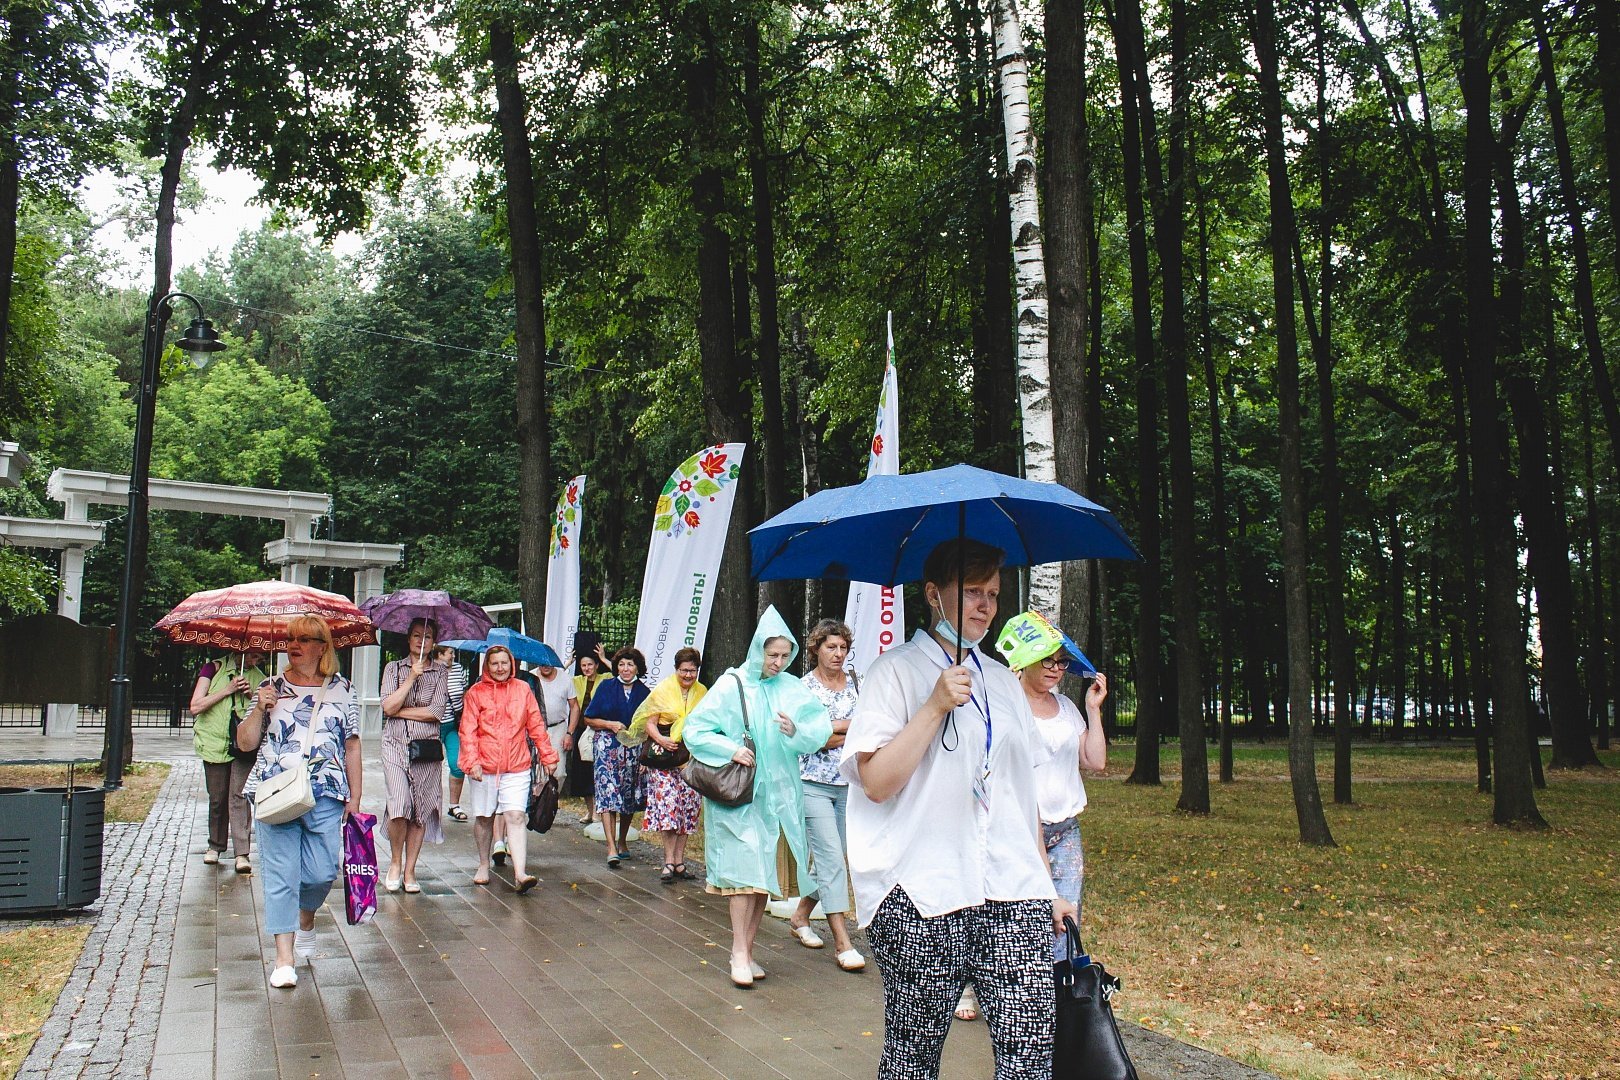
(1029, 275)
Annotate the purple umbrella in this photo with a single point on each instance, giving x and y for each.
(455, 618)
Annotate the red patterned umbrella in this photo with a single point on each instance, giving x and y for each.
(255, 616)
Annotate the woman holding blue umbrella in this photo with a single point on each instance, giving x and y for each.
(945, 847)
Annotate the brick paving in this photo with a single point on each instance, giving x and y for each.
(105, 1023)
(596, 973)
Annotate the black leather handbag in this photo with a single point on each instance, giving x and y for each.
(236, 751)
(731, 784)
(542, 803)
(654, 756)
(420, 750)
(1087, 1046)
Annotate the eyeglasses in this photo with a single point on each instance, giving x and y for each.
(686, 671)
(310, 640)
(1055, 663)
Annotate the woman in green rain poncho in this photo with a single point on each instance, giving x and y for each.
(741, 843)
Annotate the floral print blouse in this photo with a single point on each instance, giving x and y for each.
(338, 722)
(822, 766)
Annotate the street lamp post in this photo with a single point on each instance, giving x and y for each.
(200, 339)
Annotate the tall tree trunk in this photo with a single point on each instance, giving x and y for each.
(1585, 305)
(1515, 799)
(1313, 827)
(807, 435)
(1148, 661)
(726, 408)
(774, 442)
(1341, 657)
(1597, 649)
(1168, 232)
(1067, 271)
(1397, 615)
(1545, 526)
(1029, 271)
(1606, 72)
(523, 231)
(1223, 599)
(19, 20)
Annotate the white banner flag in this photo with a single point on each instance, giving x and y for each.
(876, 614)
(683, 561)
(562, 573)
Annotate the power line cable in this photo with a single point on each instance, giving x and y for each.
(405, 339)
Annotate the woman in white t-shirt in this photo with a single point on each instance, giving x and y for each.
(1041, 655)
(950, 874)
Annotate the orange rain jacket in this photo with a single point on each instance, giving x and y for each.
(494, 719)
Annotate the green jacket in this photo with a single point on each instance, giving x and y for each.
(739, 845)
(210, 731)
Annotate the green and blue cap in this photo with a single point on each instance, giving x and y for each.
(1030, 637)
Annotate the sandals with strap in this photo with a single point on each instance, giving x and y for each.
(456, 812)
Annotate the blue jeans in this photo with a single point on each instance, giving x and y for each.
(298, 861)
(1064, 852)
(824, 827)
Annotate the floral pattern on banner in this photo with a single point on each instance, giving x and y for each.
(563, 525)
(877, 426)
(697, 482)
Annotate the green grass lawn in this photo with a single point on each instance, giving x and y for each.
(1429, 942)
(35, 961)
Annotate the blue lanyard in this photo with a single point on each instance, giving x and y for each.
(984, 709)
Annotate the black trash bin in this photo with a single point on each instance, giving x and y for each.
(50, 845)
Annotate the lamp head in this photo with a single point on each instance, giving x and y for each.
(200, 340)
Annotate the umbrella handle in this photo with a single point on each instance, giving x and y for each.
(961, 569)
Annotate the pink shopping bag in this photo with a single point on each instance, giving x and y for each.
(360, 867)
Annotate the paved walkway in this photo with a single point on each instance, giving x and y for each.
(596, 973)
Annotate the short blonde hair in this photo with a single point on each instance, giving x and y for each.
(299, 625)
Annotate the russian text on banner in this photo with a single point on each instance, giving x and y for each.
(683, 560)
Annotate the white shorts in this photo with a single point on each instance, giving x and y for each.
(496, 794)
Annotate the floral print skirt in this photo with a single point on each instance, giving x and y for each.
(672, 804)
(620, 788)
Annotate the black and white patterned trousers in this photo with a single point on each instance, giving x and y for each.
(1005, 947)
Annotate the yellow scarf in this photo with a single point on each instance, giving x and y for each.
(668, 704)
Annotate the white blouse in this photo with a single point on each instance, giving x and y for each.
(1058, 787)
(933, 837)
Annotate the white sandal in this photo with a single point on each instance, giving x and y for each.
(284, 978)
(742, 973)
(851, 960)
(808, 937)
(969, 1004)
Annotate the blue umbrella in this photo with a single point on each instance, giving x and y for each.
(524, 648)
(882, 529)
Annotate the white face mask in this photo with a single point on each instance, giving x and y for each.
(945, 630)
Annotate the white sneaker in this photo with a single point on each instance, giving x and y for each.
(498, 853)
(304, 944)
(284, 978)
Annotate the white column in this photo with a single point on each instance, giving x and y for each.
(68, 595)
(62, 720)
(366, 662)
(295, 573)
